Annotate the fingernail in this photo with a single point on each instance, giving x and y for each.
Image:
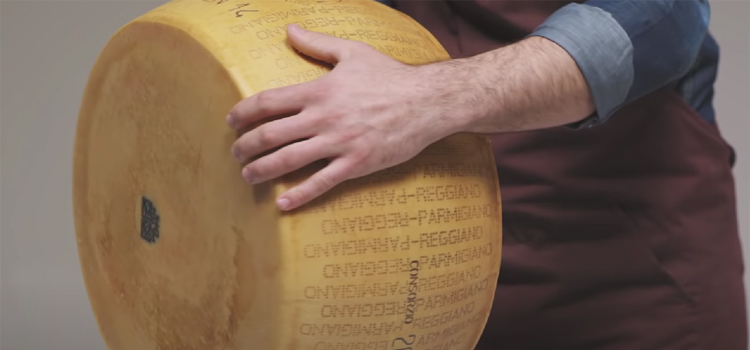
(236, 153)
(230, 121)
(247, 175)
(294, 28)
(283, 203)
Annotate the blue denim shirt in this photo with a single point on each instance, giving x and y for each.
(629, 48)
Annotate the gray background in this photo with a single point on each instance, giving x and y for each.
(46, 51)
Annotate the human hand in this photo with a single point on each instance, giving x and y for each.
(369, 113)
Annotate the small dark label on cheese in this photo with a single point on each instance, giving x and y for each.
(149, 221)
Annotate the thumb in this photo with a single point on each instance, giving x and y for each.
(329, 49)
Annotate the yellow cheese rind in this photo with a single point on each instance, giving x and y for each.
(404, 258)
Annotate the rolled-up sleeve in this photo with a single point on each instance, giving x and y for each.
(628, 48)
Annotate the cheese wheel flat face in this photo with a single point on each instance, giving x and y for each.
(179, 253)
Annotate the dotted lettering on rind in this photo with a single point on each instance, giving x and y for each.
(387, 221)
(359, 345)
(441, 170)
(357, 330)
(438, 319)
(386, 289)
(410, 307)
(383, 245)
(149, 221)
(438, 261)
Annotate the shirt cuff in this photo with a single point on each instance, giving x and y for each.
(602, 50)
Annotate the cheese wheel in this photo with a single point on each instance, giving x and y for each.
(179, 253)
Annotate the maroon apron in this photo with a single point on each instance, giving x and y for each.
(619, 237)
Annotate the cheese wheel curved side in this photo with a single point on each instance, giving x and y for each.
(223, 269)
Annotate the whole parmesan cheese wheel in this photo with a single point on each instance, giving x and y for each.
(179, 253)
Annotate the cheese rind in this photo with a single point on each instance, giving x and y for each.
(178, 252)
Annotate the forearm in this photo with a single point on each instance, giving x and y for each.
(597, 57)
(532, 84)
